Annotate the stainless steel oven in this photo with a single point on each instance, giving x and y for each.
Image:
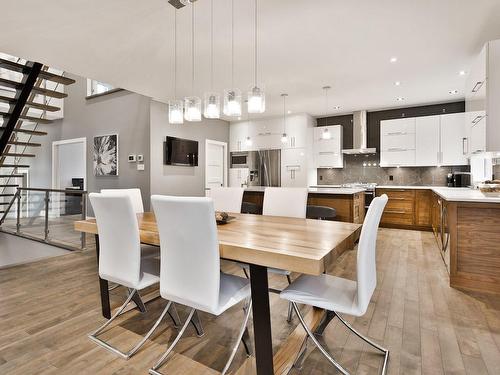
(239, 160)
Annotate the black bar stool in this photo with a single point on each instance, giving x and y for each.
(321, 212)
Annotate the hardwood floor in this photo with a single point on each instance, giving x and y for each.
(48, 307)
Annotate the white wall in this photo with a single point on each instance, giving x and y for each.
(177, 180)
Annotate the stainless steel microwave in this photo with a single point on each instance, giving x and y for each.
(239, 160)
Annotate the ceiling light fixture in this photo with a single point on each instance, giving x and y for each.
(232, 97)
(175, 107)
(326, 133)
(462, 73)
(192, 104)
(256, 95)
(400, 99)
(212, 99)
(393, 59)
(284, 137)
(453, 92)
(336, 108)
(397, 83)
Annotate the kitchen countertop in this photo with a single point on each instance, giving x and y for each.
(451, 194)
(336, 190)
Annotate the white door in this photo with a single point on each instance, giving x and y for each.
(215, 164)
(427, 141)
(453, 139)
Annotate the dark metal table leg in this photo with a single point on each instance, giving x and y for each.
(103, 285)
(261, 320)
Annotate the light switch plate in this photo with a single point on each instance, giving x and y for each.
(132, 158)
(140, 158)
(140, 167)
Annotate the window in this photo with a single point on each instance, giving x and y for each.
(96, 88)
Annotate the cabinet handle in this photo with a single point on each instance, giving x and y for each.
(327, 153)
(396, 133)
(397, 149)
(394, 212)
(325, 166)
(477, 86)
(398, 199)
(465, 146)
(477, 119)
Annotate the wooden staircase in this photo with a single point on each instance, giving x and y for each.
(25, 103)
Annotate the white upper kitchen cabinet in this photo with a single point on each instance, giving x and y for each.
(238, 177)
(294, 168)
(477, 132)
(328, 152)
(397, 142)
(427, 141)
(296, 130)
(238, 133)
(453, 140)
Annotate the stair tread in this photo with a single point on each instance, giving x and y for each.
(7, 195)
(11, 175)
(14, 166)
(28, 144)
(9, 185)
(26, 131)
(10, 83)
(17, 155)
(41, 106)
(20, 68)
(28, 118)
(51, 93)
(7, 99)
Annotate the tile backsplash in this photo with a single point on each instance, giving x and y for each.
(364, 168)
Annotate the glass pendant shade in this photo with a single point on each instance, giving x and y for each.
(212, 105)
(175, 112)
(232, 102)
(284, 138)
(256, 100)
(192, 105)
(326, 134)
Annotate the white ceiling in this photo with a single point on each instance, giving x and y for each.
(303, 45)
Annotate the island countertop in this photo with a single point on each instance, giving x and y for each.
(336, 190)
(452, 194)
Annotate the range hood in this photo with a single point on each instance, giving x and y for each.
(359, 136)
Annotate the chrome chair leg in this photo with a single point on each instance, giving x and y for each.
(316, 342)
(154, 369)
(245, 272)
(127, 355)
(240, 337)
(368, 341)
(195, 320)
(172, 312)
(327, 318)
(290, 308)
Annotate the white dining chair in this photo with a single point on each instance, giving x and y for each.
(338, 295)
(227, 199)
(288, 202)
(120, 259)
(190, 265)
(136, 197)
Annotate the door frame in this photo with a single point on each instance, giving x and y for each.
(55, 156)
(217, 143)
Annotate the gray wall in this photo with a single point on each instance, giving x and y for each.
(177, 180)
(122, 112)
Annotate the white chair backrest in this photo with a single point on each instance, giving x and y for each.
(290, 202)
(135, 195)
(227, 199)
(119, 239)
(189, 249)
(366, 259)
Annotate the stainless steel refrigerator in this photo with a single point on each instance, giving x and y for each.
(264, 168)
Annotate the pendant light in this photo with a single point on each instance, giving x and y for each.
(284, 137)
(326, 133)
(192, 104)
(175, 107)
(256, 95)
(212, 99)
(232, 96)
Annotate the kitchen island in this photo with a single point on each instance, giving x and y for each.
(465, 222)
(349, 203)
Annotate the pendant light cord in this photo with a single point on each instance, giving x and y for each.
(212, 45)
(255, 42)
(284, 113)
(175, 54)
(232, 44)
(192, 48)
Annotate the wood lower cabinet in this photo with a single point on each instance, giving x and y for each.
(407, 208)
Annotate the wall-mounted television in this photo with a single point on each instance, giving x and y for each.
(178, 151)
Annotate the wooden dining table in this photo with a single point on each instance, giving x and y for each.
(304, 246)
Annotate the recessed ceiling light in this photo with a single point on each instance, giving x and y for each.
(400, 99)
(393, 59)
(462, 72)
(337, 107)
(397, 83)
(289, 112)
(453, 92)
